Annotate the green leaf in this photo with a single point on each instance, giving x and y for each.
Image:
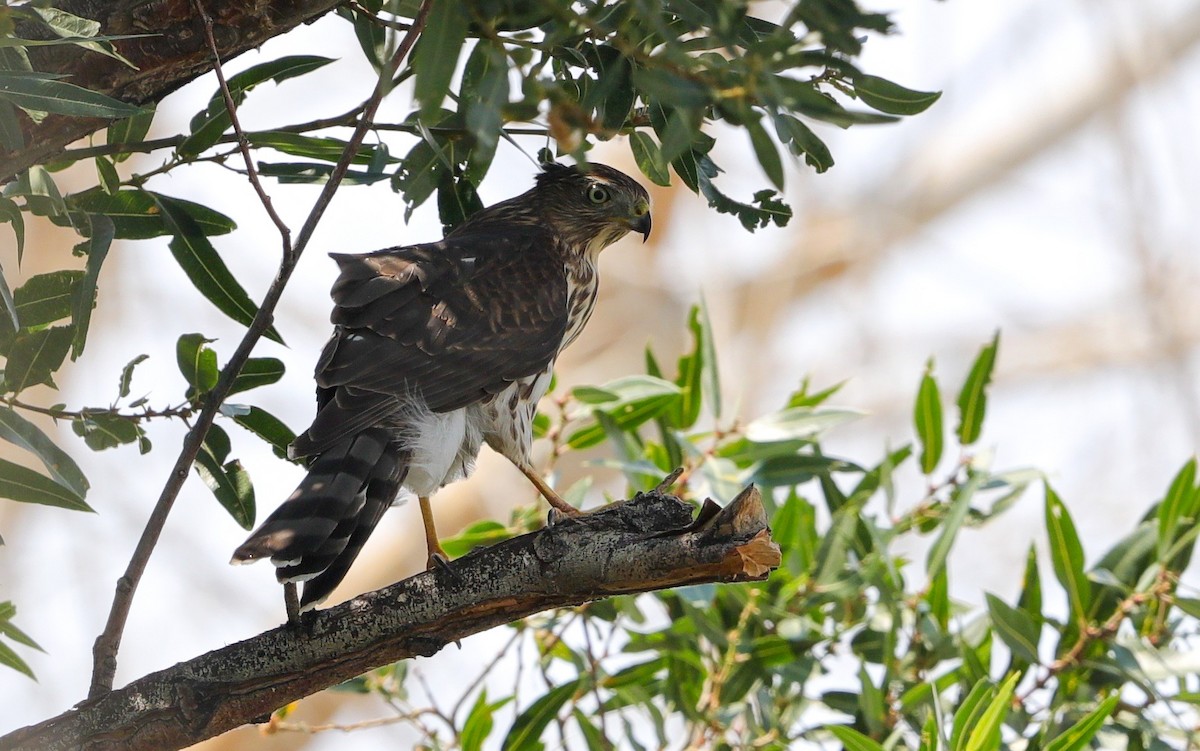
(10, 213)
(852, 740)
(60, 97)
(34, 356)
(649, 158)
(197, 362)
(1079, 736)
(960, 504)
(972, 399)
(258, 371)
(11, 659)
(1015, 628)
(267, 427)
(484, 93)
(640, 398)
(8, 611)
(1066, 554)
(10, 305)
(1030, 601)
(207, 272)
(801, 141)
(765, 151)
(457, 200)
(985, 736)
(481, 533)
(46, 298)
(927, 418)
(84, 300)
(20, 432)
(24, 485)
(127, 374)
(228, 481)
(210, 123)
(527, 729)
(131, 130)
(969, 712)
(798, 422)
(478, 725)
(1171, 509)
(314, 147)
(136, 214)
(102, 431)
(435, 57)
(68, 24)
(892, 98)
(110, 181)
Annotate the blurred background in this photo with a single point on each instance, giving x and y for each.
(1051, 194)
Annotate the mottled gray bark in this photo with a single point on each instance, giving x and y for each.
(651, 542)
(173, 53)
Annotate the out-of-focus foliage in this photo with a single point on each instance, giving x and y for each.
(848, 643)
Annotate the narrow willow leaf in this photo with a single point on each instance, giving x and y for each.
(46, 298)
(1066, 554)
(852, 740)
(35, 356)
(6, 299)
(20, 432)
(960, 504)
(60, 97)
(802, 141)
(228, 481)
(484, 92)
(927, 418)
(766, 152)
(10, 213)
(258, 371)
(10, 659)
(1170, 510)
(478, 725)
(269, 428)
(84, 298)
(204, 267)
(136, 215)
(1014, 627)
(24, 485)
(985, 736)
(1079, 736)
(210, 123)
(972, 399)
(105, 431)
(435, 57)
(649, 158)
(131, 130)
(892, 98)
(527, 729)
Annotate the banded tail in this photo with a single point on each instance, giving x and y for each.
(319, 530)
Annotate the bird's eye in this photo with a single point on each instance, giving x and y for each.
(598, 194)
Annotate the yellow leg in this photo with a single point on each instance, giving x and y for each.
(548, 493)
(436, 554)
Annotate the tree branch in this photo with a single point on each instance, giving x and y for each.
(648, 543)
(169, 54)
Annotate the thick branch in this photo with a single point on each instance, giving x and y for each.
(172, 53)
(648, 543)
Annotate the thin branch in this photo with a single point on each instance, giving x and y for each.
(651, 542)
(104, 652)
(243, 145)
(182, 412)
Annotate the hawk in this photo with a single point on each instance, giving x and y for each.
(438, 348)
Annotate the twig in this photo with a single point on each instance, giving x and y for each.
(285, 232)
(105, 650)
(183, 411)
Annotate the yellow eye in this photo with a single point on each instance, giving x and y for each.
(598, 194)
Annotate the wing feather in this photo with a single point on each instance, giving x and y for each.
(453, 322)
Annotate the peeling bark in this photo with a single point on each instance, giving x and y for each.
(648, 543)
(173, 53)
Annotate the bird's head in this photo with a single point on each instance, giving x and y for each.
(596, 205)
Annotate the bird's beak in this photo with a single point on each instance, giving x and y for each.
(641, 222)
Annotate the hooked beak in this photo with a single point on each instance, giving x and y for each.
(641, 225)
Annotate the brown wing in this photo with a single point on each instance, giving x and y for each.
(452, 321)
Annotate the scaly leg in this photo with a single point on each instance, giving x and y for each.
(548, 493)
(437, 556)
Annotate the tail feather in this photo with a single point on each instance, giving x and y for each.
(319, 530)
